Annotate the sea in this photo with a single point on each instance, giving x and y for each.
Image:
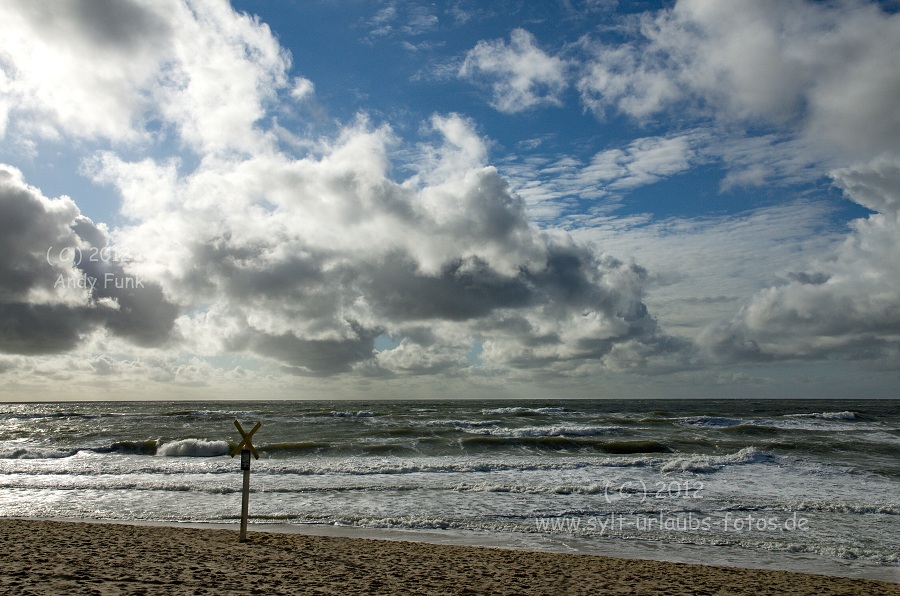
(802, 485)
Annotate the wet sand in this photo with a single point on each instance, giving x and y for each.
(52, 557)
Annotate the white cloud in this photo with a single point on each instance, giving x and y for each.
(306, 261)
(787, 66)
(616, 76)
(380, 23)
(420, 21)
(554, 188)
(224, 71)
(303, 89)
(401, 19)
(823, 82)
(199, 66)
(826, 70)
(643, 162)
(765, 160)
(703, 269)
(846, 304)
(520, 74)
(875, 185)
(47, 56)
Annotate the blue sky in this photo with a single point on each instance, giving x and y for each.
(402, 199)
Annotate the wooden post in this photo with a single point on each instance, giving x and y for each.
(245, 494)
(245, 447)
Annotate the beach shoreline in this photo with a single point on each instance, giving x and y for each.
(51, 556)
(698, 554)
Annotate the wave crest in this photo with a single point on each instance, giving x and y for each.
(193, 448)
(711, 463)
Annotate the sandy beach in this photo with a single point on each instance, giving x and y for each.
(52, 557)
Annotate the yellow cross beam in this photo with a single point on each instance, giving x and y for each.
(246, 441)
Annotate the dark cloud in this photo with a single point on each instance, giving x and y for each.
(809, 278)
(304, 299)
(465, 289)
(320, 357)
(106, 23)
(59, 281)
(42, 328)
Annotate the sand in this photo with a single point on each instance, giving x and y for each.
(52, 557)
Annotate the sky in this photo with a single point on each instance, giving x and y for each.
(332, 199)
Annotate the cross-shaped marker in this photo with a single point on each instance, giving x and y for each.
(246, 441)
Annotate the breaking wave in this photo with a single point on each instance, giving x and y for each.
(36, 453)
(846, 415)
(520, 411)
(711, 463)
(545, 431)
(193, 448)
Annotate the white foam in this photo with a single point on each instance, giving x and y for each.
(856, 508)
(574, 430)
(846, 415)
(556, 489)
(711, 463)
(463, 423)
(365, 466)
(521, 410)
(36, 453)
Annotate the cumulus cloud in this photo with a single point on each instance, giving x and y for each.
(827, 70)
(307, 260)
(203, 70)
(821, 81)
(704, 269)
(846, 305)
(520, 74)
(310, 260)
(825, 77)
(303, 89)
(46, 89)
(827, 74)
(60, 279)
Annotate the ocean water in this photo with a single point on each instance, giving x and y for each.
(807, 485)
